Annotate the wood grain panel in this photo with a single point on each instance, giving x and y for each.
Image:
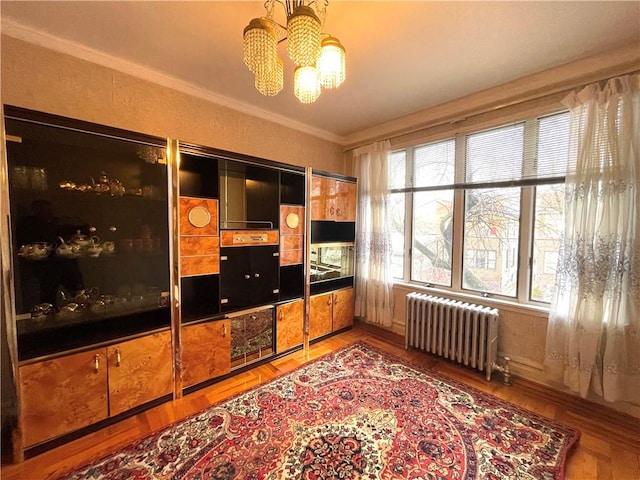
(285, 210)
(228, 237)
(320, 315)
(291, 257)
(62, 395)
(291, 249)
(203, 245)
(323, 198)
(143, 373)
(199, 265)
(289, 325)
(343, 308)
(292, 242)
(346, 201)
(187, 204)
(206, 351)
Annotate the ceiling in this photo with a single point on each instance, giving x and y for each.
(402, 57)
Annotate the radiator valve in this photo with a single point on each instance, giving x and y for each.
(505, 370)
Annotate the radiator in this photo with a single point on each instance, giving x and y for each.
(462, 332)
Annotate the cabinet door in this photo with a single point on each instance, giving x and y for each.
(206, 351)
(320, 315)
(323, 198)
(289, 325)
(140, 370)
(62, 395)
(346, 201)
(343, 308)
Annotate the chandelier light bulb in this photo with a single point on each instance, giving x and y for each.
(306, 84)
(260, 46)
(331, 64)
(270, 83)
(303, 36)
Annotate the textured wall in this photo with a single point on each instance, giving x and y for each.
(521, 336)
(41, 79)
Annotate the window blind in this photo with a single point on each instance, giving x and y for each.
(519, 154)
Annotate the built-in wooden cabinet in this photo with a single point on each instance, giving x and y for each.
(323, 198)
(67, 393)
(346, 201)
(64, 394)
(139, 370)
(320, 315)
(289, 325)
(333, 199)
(330, 312)
(206, 351)
(343, 309)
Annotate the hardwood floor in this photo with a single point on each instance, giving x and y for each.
(609, 447)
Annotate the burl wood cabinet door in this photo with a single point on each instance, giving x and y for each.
(323, 198)
(343, 308)
(320, 315)
(346, 201)
(206, 351)
(289, 325)
(62, 395)
(140, 370)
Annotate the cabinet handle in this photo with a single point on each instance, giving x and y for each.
(335, 299)
(338, 212)
(281, 315)
(96, 362)
(224, 330)
(257, 275)
(329, 301)
(247, 277)
(118, 357)
(253, 317)
(332, 210)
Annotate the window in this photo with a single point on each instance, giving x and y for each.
(433, 213)
(496, 196)
(397, 180)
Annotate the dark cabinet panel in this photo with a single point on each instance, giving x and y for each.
(248, 276)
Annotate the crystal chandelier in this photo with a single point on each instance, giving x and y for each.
(319, 57)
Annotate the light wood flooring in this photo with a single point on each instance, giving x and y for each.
(609, 447)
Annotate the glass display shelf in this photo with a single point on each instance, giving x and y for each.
(90, 231)
(331, 261)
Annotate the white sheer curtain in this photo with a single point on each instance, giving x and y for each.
(593, 337)
(374, 296)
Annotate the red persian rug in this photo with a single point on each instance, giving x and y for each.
(358, 413)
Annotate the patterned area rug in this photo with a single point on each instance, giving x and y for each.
(358, 413)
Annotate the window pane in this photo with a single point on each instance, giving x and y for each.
(547, 236)
(495, 155)
(435, 164)
(491, 233)
(398, 170)
(396, 215)
(553, 145)
(397, 179)
(432, 236)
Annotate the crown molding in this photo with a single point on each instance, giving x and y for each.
(28, 34)
(574, 74)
